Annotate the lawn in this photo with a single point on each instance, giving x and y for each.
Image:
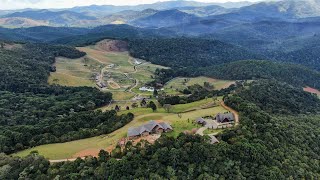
(182, 82)
(212, 131)
(142, 115)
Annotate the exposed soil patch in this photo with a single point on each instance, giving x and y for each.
(10, 47)
(112, 45)
(91, 152)
(151, 139)
(312, 90)
(113, 85)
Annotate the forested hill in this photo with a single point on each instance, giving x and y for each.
(293, 74)
(187, 52)
(281, 98)
(34, 113)
(263, 146)
(27, 67)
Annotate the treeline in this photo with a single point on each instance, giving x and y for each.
(123, 32)
(293, 74)
(263, 146)
(282, 98)
(60, 129)
(27, 68)
(187, 52)
(196, 93)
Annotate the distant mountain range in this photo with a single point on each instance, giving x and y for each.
(94, 15)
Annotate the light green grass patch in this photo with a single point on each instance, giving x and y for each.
(181, 83)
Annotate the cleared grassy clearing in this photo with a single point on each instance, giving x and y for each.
(181, 83)
(69, 80)
(212, 131)
(142, 115)
(115, 65)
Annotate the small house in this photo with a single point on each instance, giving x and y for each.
(201, 121)
(224, 118)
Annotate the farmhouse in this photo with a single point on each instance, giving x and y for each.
(226, 117)
(152, 127)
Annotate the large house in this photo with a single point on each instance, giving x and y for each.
(152, 127)
(224, 118)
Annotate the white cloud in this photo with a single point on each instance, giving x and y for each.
(45, 4)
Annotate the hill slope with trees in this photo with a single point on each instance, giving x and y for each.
(34, 113)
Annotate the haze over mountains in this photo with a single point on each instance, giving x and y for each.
(87, 15)
(275, 30)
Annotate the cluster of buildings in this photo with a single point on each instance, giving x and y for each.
(99, 83)
(219, 121)
(152, 127)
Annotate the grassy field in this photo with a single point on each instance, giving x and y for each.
(181, 83)
(142, 115)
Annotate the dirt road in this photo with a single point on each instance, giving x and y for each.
(236, 114)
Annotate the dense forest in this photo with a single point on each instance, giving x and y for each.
(293, 74)
(34, 113)
(264, 146)
(187, 52)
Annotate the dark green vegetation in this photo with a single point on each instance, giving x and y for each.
(187, 52)
(196, 93)
(278, 98)
(34, 113)
(293, 74)
(252, 69)
(264, 146)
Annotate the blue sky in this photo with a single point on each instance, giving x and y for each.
(43, 4)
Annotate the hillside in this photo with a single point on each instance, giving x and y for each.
(187, 52)
(34, 113)
(53, 18)
(128, 16)
(255, 149)
(165, 18)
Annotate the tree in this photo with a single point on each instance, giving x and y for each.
(103, 156)
(134, 105)
(127, 108)
(143, 103)
(117, 108)
(153, 106)
(155, 92)
(167, 107)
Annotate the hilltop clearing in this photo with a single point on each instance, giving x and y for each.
(107, 66)
(90, 146)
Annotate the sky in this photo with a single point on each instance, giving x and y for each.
(46, 4)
